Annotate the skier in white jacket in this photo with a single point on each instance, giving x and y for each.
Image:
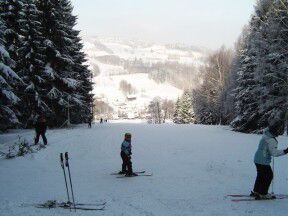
(266, 150)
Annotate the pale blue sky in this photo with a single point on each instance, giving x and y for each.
(208, 23)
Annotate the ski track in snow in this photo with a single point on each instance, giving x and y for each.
(193, 168)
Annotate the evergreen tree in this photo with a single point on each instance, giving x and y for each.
(64, 63)
(186, 114)
(8, 80)
(176, 116)
(250, 72)
(84, 99)
(11, 11)
(275, 76)
(32, 65)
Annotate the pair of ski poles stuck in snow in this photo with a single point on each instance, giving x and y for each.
(71, 187)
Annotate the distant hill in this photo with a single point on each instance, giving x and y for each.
(151, 70)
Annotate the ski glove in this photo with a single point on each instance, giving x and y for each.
(286, 151)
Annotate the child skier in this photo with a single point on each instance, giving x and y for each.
(126, 152)
(262, 159)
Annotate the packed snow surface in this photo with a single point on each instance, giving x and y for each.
(193, 168)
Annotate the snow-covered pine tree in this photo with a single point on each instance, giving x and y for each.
(232, 80)
(8, 80)
(59, 62)
(249, 90)
(83, 100)
(275, 76)
(31, 66)
(186, 114)
(11, 12)
(176, 116)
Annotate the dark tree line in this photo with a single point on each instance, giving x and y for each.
(42, 67)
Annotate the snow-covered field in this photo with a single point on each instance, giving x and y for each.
(193, 168)
(146, 90)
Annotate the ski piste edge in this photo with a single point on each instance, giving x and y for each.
(123, 176)
(137, 172)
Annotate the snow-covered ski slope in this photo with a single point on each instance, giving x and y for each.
(193, 168)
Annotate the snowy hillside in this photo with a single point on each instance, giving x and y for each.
(148, 52)
(106, 88)
(193, 168)
(113, 60)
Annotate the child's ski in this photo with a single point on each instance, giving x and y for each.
(124, 176)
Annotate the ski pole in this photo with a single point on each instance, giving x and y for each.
(67, 165)
(62, 165)
(273, 177)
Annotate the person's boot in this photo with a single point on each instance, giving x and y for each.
(122, 172)
(254, 194)
(130, 172)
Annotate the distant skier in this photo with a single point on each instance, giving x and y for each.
(126, 152)
(266, 150)
(101, 120)
(40, 129)
(89, 123)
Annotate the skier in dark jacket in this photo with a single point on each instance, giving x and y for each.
(40, 129)
(266, 150)
(89, 123)
(126, 152)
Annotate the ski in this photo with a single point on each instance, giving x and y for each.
(81, 204)
(69, 207)
(253, 199)
(84, 208)
(123, 176)
(91, 204)
(56, 204)
(246, 195)
(244, 199)
(138, 172)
